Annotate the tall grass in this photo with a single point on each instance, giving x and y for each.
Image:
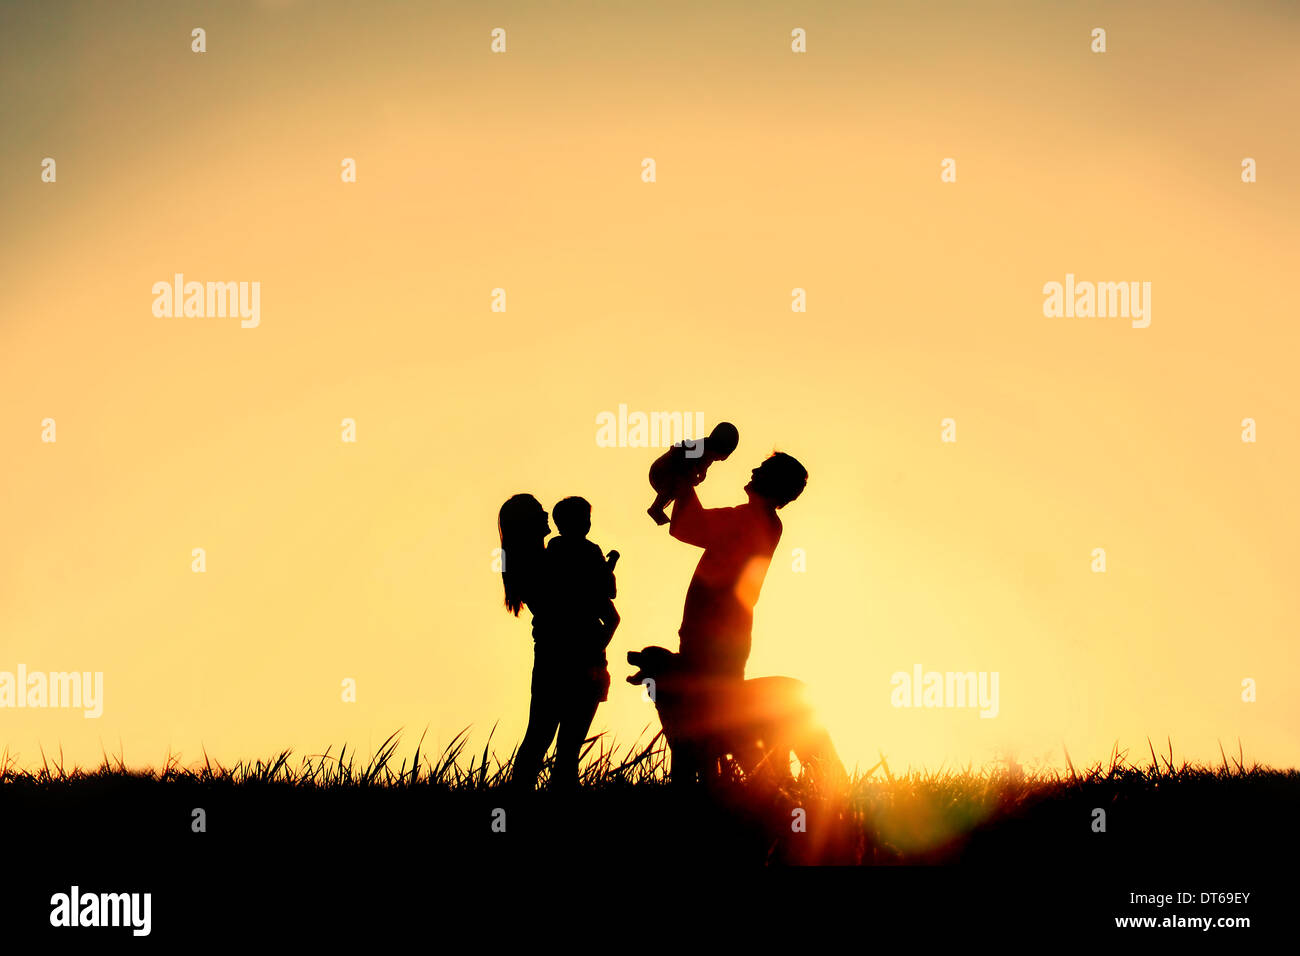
(998, 812)
(455, 768)
(458, 768)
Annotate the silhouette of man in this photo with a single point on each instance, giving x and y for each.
(738, 546)
(718, 618)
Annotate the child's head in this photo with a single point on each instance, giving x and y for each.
(572, 516)
(722, 440)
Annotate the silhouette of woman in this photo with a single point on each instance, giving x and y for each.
(563, 696)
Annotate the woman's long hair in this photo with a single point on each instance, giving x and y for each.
(520, 524)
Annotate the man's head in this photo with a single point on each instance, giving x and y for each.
(778, 481)
(572, 517)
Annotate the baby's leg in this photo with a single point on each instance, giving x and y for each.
(656, 510)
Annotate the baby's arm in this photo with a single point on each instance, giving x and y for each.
(609, 620)
(610, 561)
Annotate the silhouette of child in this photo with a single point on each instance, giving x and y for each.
(684, 465)
(582, 614)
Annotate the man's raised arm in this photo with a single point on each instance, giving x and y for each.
(690, 522)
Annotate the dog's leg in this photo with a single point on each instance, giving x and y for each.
(817, 755)
(686, 765)
(773, 759)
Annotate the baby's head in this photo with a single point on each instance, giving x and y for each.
(722, 440)
(572, 517)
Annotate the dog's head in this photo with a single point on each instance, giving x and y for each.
(661, 673)
(652, 663)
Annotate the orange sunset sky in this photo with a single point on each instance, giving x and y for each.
(775, 170)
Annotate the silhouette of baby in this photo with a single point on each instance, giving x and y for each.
(686, 463)
(582, 584)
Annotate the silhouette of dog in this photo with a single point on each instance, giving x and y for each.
(759, 721)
